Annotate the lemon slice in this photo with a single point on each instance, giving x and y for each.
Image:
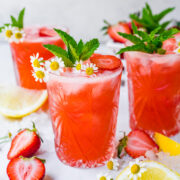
(152, 171)
(17, 102)
(167, 145)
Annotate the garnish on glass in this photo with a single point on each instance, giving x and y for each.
(73, 57)
(112, 30)
(13, 32)
(151, 21)
(147, 43)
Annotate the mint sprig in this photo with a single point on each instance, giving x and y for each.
(148, 43)
(19, 22)
(151, 21)
(76, 51)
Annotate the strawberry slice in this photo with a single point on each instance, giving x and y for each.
(106, 62)
(170, 45)
(46, 32)
(25, 143)
(26, 169)
(138, 143)
(120, 27)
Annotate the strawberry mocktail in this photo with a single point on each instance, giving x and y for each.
(33, 43)
(84, 115)
(154, 92)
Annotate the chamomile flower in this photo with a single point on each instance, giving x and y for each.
(112, 164)
(90, 69)
(8, 32)
(39, 74)
(18, 35)
(78, 66)
(177, 51)
(104, 176)
(55, 64)
(136, 169)
(36, 61)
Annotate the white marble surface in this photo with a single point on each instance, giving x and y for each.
(55, 170)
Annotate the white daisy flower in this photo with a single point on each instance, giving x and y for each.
(136, 169)
(177, 51)
(55, 64)
(36, 61)
(78, 66)
(104, 176)
(112, 164)
(39, 74)
(18, 35)
(90, 69)
(8, 32)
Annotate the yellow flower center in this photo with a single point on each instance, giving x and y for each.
(9, 33)
(36, 63)
(110, 165)
(179, 50)
(102, 178)
(40, 74)
(135, 169)
(178, 43)
(18, 35)
(78, 66)
(89, 71)
(54, 65)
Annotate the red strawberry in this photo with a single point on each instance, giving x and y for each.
(26, 169)
(120, 27)
(25, 143)
(170, 45)
(107, 62)
(138, 143)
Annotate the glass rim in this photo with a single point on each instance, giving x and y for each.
(47, 39)
(81, 78)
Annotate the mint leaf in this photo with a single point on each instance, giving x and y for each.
(122, 144)
(168, 34)
(80, 47)
(162, 14)
(137, 47)
(66, 38)
(1, 28)
(130, 37)
(73, 54)
(21, 18)
(61, 53)
(143, 35)
(89, 49)
(14, 22)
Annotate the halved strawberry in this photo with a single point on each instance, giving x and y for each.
(120, 27)
(138, 143)
(112, 30)
(26, 169)
(170, 45)
(25, 143)
(106, 62)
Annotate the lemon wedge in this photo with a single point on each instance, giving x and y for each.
(17, 102)
(167, 145)
(152, 171)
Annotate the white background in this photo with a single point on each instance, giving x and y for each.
(83, 17)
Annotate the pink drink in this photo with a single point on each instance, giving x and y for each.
(154, 92)
(84, 115)
(33, 43)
